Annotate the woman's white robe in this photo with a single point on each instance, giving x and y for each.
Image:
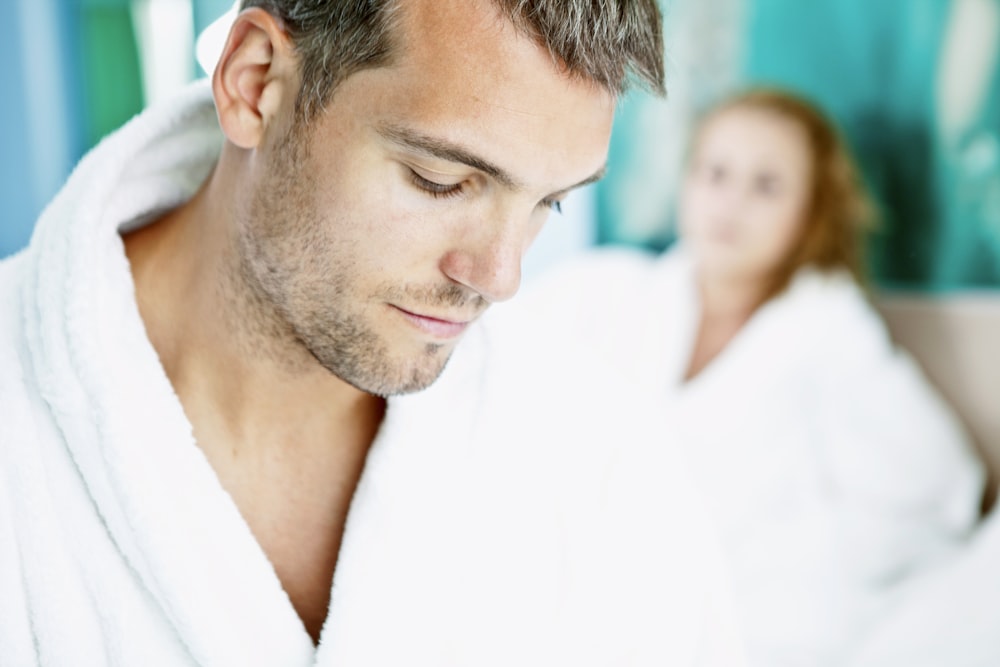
(948, 616)
(832, 466)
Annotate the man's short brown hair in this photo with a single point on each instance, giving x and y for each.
(606, 41)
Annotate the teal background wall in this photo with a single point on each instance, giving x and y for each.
(882, 69)
(887, 72)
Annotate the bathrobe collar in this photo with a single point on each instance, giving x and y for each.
(122, 423)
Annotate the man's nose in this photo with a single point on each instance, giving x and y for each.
(489, 262)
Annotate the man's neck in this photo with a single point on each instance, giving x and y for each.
(241, 382)
(287, 439)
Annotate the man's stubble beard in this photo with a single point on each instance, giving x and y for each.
(292, 286)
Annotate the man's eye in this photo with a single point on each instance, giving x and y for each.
(436, 189)
(552, 205)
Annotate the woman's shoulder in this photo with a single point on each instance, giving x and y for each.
(833, 286)
(835, 302)
(827, 322)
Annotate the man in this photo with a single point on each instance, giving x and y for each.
(201, 464)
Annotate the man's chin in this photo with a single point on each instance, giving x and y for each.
(386, 379)
(416, 382)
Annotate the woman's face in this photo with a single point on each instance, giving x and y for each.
(746, 192)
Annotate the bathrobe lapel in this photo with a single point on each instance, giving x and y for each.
(165, 512)
(163, 507)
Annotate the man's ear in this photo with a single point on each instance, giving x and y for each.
(255, 77)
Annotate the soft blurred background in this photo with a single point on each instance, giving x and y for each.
(74, 70)
(913, 84)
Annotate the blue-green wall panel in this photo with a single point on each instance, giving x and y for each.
(15, 179)
(874, 66)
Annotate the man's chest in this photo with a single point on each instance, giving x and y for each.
(297, 515)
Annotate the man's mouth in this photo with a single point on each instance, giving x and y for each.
(437, 326)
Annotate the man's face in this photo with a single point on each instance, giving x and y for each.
(377, 234)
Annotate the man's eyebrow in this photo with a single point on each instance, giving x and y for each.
(446, 150)
(593, 178)
(451, 152)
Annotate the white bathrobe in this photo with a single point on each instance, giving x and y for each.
(504, 517)
(832, 466)
(948, 617)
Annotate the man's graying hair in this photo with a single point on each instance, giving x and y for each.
(605, 41)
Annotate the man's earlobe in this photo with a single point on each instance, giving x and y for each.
(254, 73)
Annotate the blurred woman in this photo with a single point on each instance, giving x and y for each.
(833, 468)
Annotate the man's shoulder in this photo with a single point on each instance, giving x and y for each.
(19, 398)
(566, 442)
(11, 266)
(11, 321)
(602, 273)
(544, 397)
(11, 277)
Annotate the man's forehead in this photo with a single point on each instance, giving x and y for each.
(473, 34)
(464, 82)
(458, 25)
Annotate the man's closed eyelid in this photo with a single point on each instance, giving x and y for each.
(434, 188)
(434, 176)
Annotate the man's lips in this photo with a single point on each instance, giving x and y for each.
(435, 326)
